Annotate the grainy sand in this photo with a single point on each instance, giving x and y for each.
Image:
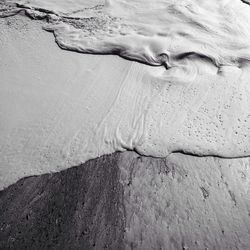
(127, 201)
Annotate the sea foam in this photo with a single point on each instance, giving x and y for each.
(153, 32)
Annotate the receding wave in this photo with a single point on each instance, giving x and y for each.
(143, 31)
(196, 101)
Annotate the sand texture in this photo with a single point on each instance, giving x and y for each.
(127, 201)
(124, 124)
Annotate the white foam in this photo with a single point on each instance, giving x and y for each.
(59, 6)
(157, 32)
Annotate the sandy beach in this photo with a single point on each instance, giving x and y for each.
(128, 201)
(122, 151)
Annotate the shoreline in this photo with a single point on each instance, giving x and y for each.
(119, 200)
(125, 201)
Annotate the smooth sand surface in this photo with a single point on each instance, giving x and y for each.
(52, 101)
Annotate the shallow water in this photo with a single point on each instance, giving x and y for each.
(196, 100)
(199, 43)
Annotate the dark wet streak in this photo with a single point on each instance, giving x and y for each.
(80, 208)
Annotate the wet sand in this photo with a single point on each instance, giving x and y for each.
(128, 201)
